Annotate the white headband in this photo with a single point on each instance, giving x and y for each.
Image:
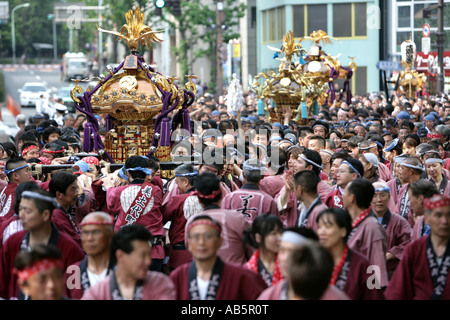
(327, 151)
(418, 167)
(293, 237)
(434, 160)
(311, 162)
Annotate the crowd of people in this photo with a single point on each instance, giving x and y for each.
(353, 205)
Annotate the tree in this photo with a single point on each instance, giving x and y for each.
(196, 25)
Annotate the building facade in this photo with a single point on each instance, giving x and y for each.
(355, 25)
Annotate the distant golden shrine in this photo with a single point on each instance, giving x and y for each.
(301, 86)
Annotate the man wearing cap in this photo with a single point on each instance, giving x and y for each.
(176, 212)
(397, 228)
(423, 271)
(60, 111)
(35, 213)
(429, 120)
(207, 190)
(411, 171)
(249, 200)
(17, 171)
(349, 170)
(208, 277)
(215, 115)
(402, 117)
(423, 132)
(139, 202)
(392, 127)
(96, 234)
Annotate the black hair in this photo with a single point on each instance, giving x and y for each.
(341, 217)
(279, 166)
(55, 146)
(186, 168)
(31, 135)
(363, 191)
(21, 187)
(124, 237)
(28, 144)
(315, 157)
(10, 149)
(206, 183)
(12, 164)
(262, 225)
(309, 270)
(60, 181)
(40, 204)
(26, 258)
(48, 131)
(357, 165)
(427, 188)
(308, 180)
(134, 162)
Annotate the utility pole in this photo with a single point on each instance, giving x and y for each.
(100, 38)
(440, 47)
(219, 22)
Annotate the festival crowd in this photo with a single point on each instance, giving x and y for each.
(353, 205)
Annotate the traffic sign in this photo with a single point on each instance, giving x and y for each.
(389, 65)
(426, 44)
(426, 30)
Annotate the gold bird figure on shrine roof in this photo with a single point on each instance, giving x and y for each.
(135, 32)
(318, 36)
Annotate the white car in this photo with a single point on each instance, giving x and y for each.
(31, 92)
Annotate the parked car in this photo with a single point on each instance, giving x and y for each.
(31, 92)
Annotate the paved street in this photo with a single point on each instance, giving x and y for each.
(16, 76)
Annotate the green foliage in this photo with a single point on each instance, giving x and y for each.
(197, 25)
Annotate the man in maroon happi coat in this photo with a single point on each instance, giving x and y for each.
(35, 212)
(17, 171)
(208, 277)
(139, 202)
(423, 272)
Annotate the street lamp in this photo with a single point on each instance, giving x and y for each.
(25, 5)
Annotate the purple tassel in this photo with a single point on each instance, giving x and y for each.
(165, 133)
(186, 120)
(87, 141)
(108, 123)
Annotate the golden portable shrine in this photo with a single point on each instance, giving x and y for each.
(137, 100)
(299, 86)
(409, 81)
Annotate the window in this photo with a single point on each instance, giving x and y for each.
(360, 19)
(317, 18)
(273, 24)
(342, 20)
(360, 81)
(253, 17)
(350, 20)
(404, 16)
(299, 21)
